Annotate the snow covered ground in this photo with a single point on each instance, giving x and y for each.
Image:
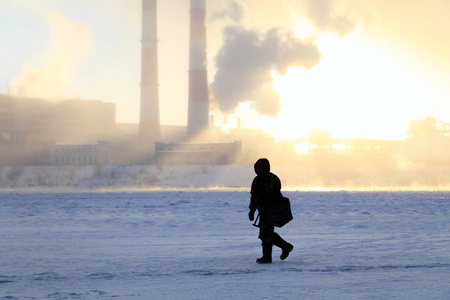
(200, 245)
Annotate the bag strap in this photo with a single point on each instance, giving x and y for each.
(256, 220)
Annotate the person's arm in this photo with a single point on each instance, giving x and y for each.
(252, 206)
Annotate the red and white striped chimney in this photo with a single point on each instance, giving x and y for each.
(149, 126)
(198, 103)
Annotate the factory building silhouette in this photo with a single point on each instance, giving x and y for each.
(31, 129)
(84, 132)
(198, 102)
(57, 132)
(149, 125)
(150, 139)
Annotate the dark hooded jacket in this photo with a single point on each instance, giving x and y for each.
(266, 187)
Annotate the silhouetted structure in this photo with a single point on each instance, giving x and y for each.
(429, 140)
(198, 105)
(28, 126)
(198, 153)
(149, 126)
(93, 153)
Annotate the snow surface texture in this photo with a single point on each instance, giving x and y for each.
(200, 245)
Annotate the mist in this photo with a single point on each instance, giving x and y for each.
(71, 43)
(306, 176)
(254, 49)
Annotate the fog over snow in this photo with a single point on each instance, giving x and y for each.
(122, 177)
(307, 177)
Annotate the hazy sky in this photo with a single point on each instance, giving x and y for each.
(356, 67)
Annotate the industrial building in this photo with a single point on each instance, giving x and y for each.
(149, 123)
(35, 131)
(429, 140)
(198, 153)
(28, 126)
(198, 101)
(93, 153)
(34, 117)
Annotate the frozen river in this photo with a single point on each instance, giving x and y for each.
(200, 245)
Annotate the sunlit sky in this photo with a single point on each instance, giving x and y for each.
(355, 67)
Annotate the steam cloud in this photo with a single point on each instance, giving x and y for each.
(245, 64)
(71, 42)
(330, 15)
(233, 11)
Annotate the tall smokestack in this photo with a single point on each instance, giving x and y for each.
(149, 127)
(198, 105)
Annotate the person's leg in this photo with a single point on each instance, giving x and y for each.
(266, 233)
(285, 246)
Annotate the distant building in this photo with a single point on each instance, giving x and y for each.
(429, 140)
(69, 118)
(433, 147)
(93, 153)
(9, 131)
(29, 125)
(198, 153)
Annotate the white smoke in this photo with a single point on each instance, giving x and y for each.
(72, 42)
(336, 16)
(233, 11)
(247, 60)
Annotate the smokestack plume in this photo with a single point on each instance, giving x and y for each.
(198, 103)
(149, 126)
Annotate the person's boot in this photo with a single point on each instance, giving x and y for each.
(267, 254)
(285, 246)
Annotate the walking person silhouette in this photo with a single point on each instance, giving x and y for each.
(265, 192)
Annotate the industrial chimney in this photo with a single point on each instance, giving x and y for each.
(149, 127)
(198, 104)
